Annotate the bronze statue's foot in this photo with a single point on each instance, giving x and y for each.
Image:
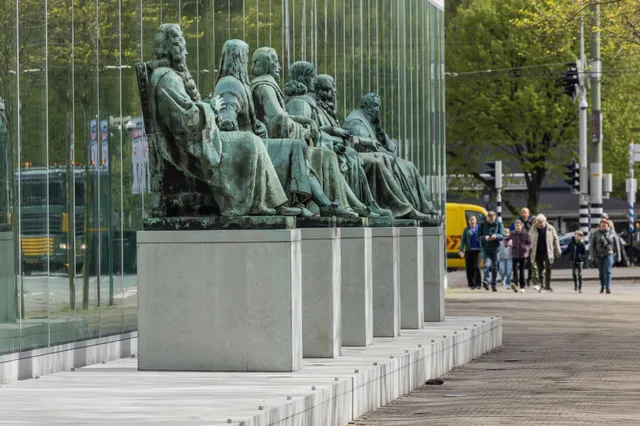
(379, 210)
(288, 211)
(416, 215)
(306, 213)
(352, 212)
(336, 210)
(365, 211)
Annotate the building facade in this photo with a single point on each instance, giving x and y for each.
(75, 180)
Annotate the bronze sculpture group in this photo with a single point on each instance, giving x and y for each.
(252, 149)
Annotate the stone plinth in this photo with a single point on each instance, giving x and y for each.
(321, 295)
(405, 223)
(331, 222)
(7, 276)
(434, 273)
(386, 282)
(357, 294)
(220, 300)
(206, 223)
(411, 277)
(381, 222)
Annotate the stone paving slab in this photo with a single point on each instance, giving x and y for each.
(325, 392)
(567, 359)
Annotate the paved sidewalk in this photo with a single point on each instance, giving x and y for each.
(567, 359)
(627, 275)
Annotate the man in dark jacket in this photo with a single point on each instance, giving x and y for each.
(491, 233)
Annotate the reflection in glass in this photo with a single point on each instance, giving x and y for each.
(74, 170)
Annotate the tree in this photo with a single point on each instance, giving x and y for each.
(514, 113)
(619, 21)
(620, 52)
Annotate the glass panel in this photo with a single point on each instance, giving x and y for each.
(61, 273)
(36, 241)
(10, 307)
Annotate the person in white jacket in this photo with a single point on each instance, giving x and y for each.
(545, 248)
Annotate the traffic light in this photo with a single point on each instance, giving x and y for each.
(495, 172)
(573, 176)
(570, 80)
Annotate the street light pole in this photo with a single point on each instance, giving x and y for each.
(582, 114)
(596, 119)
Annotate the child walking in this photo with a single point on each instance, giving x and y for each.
(520, 246)
(505, 261)
(577, 250)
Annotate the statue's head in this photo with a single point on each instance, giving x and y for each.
(235, 60)
(170, 50)
(301, 75)
(303, 72)
(370, 104)
(265, 61)
(325, 87)
(169, 45)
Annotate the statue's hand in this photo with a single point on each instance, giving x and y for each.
(229, 126)
(313, 128)
(339, 148)
(340, 133)
(217, 104)
(261, 129)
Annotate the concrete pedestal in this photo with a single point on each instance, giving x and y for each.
(220, 300)
(7, 276)
(386, 282)
(434, 273)
(411, 277)
(357, 294)
(321, 293)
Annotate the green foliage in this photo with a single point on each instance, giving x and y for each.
(620, 53)
(514, 113)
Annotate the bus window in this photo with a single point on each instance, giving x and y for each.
(79, 195)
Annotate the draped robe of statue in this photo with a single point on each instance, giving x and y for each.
(289, 159)
(405, 172)
(304, 105)
(378, 181)
(235, 165)
(270, 109)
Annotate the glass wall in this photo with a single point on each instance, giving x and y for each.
(74, 174)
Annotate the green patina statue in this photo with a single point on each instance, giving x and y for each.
(365, 124)
(269, 103)
(379, 172)
(195, 168)
(303, 102)
(289, 159)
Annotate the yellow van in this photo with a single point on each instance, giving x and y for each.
(457, 218)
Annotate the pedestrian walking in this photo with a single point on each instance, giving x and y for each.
(470, 252)
(491, 233)
(520, 246)
(604, 248)
(545, 248)
(505, 259)
(577, 251)
(525, 218)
